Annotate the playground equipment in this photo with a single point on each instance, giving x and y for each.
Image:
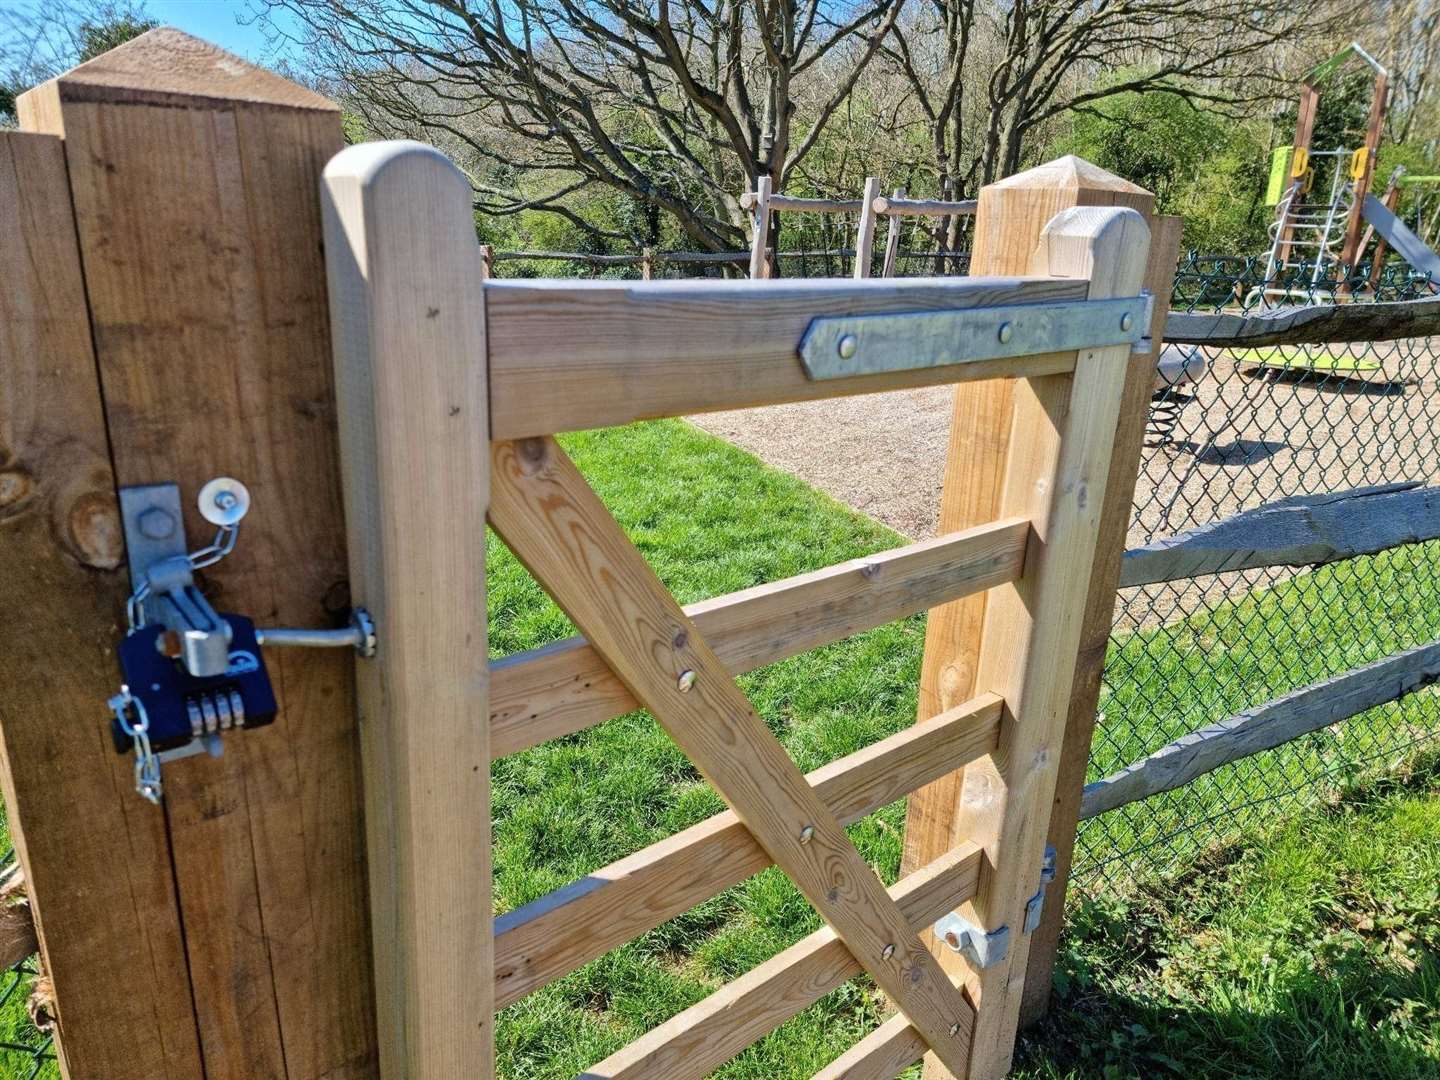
(1412, 244)
(1320, 228)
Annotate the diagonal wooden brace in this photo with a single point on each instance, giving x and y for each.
(557, 526)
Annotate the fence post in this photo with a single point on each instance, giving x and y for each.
(195, 183)
(1009, 220)
(647, 263)
(892, 239)
(865, 230)
(760, 229)
(95, 862)
(408, 311)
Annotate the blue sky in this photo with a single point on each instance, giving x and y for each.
(216, 21)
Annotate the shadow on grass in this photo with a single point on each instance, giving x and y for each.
(1347, 1021)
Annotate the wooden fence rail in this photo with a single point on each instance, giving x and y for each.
(1306, 530)
(1315, 325)
(1300, 712)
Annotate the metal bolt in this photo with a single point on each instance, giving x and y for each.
(686, 681)
(226, 500)
(1007, 331)
(952, 939)
(954, 1029)
(156, 524)
(1126, 321)
(847, 345)
(887, 952)
(806, 833)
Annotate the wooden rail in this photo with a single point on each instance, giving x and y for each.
(1319, 324)
(566, 355)
(750, 199)
(565, 687)
(894, 206)
(1265, 727)
(1307, 530)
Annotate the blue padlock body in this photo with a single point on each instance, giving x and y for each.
(165, 688)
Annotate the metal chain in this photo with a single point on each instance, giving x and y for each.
(147, 764)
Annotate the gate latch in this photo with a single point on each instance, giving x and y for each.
(190, 673)
(984, 948)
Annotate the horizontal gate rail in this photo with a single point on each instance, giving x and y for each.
(566, 687)
(552, 936)
(568, 355)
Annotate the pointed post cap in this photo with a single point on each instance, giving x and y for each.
(1012, 212)
(166, 66)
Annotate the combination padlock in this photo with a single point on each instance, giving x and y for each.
(191, 674)
(181, 707)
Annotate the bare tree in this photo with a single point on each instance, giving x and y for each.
(1410, 49)
(987, 75)
(678, 104)
(41, 38)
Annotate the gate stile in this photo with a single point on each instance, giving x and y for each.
(423, 352)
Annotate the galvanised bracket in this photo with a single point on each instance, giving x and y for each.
(984, 948)
(840, 346)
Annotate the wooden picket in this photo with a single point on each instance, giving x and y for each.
(424, 356)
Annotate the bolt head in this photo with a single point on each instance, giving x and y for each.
(1126, 321)
(952, 939)
(847, 346)
(156, 524)
(686, 681)
(887, 952)
(954, 1029)
(1007, 331)
(807, 833)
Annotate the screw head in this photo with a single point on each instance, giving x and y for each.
(887, 952)
(686, 681)
(952, 939)
(1007, 331)
(954, 1029)
(847, 345)
(1126, 321)
(807, 833)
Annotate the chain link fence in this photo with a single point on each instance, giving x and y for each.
(1255, 426)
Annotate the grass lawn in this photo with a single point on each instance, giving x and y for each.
(1313, 953)
(711, 520)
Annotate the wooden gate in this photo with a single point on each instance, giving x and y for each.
(450, 392)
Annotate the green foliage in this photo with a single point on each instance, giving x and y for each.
(107, 29)
(1313, 952)
(1207, 168)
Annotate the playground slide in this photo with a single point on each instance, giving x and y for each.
(1398, 235)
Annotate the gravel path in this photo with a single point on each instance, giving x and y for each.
(1244, 440)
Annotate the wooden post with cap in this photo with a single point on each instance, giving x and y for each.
(227, 933)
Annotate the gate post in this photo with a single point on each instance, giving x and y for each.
(195, 183)
(1010, 217)
(408, 310)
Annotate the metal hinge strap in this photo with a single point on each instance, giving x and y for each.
(839, 346)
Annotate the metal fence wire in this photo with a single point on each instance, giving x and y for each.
(1256, 426)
